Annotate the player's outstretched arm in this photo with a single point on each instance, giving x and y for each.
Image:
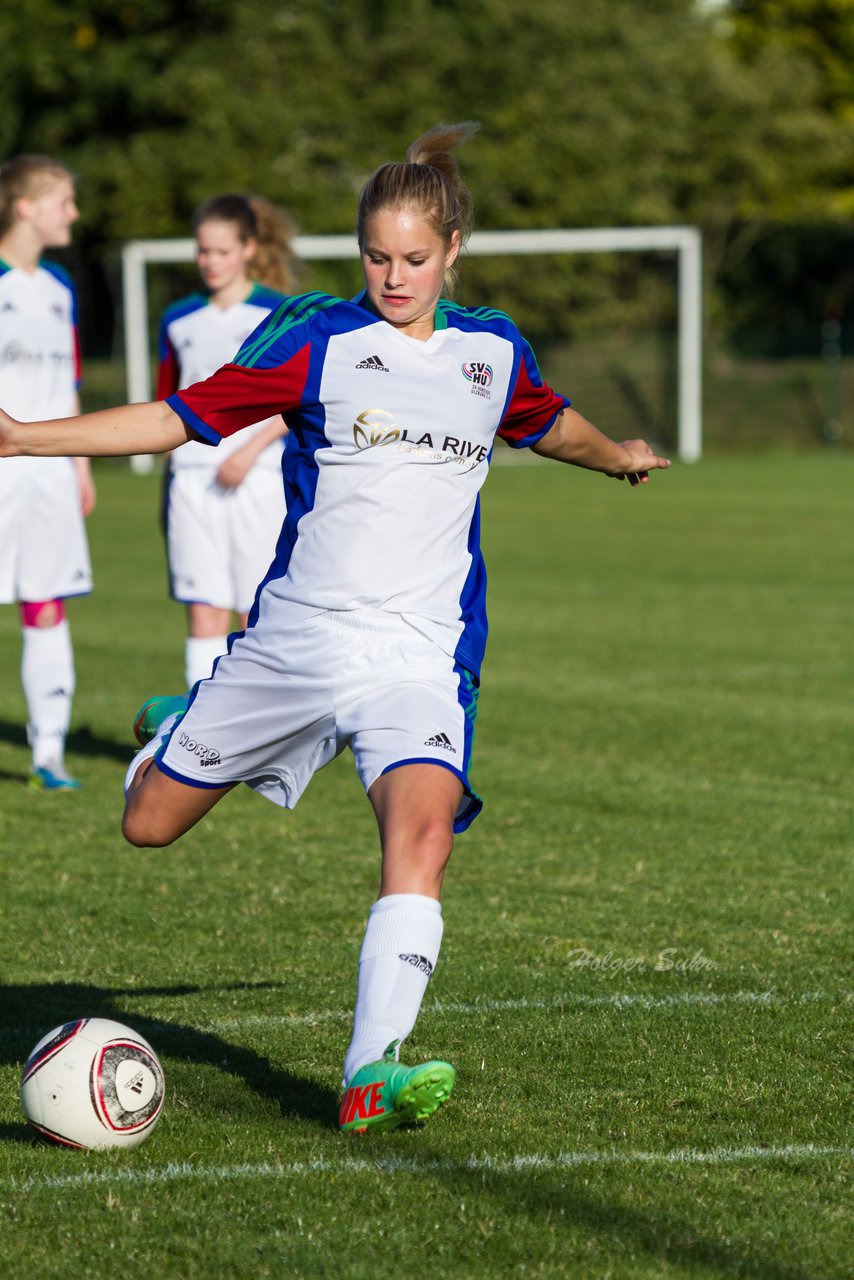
(575, 440)
(134, 428)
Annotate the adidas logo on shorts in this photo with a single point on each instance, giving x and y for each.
(441, 740)
(372, 362)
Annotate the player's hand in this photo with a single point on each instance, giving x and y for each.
(233, 471)
(85, 485)
(640, 461)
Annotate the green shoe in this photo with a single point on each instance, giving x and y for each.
(384, 1094)
(153, 712)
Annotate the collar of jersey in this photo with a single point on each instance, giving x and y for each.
(440, 319)
(28, 275)
(207, 294)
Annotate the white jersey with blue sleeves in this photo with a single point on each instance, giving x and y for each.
(196, 337)
(390, 442)
(43, 548)
(39, 346)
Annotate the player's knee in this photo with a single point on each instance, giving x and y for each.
(41, 613)
(145, 830)
(432, 843)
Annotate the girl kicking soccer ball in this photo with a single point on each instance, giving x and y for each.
(370, 628)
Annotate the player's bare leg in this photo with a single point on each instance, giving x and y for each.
(159, 809)
(206, 620)
(207, 639)
(415, 807)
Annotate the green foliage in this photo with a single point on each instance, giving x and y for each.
(806, 273)
(813, 38)
(820, 32)
(591, 116)
(595, 113)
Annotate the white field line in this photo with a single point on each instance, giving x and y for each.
(186, 1172)
(703, 999)
(462, 1008)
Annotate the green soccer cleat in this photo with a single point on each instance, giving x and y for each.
(53, 777)
(383, 1095)
(153, 712)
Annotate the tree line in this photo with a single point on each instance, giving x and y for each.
(736, 117)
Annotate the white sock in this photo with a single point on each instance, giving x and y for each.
(200, 653)
(47, 674)
(151, 747)
(399, 952)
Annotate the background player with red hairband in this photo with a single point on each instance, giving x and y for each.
(44, 556)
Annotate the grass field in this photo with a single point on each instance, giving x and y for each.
(646, 979)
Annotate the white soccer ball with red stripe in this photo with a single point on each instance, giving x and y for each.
(93, 1084)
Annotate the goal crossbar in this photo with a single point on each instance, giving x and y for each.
(684, 242)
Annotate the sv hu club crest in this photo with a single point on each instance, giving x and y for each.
(478, 372)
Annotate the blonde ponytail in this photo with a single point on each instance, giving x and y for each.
(275, 263)
(428, 182)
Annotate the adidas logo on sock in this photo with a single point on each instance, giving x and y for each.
(418, 962)
(372, 362)
(441, 740)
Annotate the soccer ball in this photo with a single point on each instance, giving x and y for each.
(93, 1084)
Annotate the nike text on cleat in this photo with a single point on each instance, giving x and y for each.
(153, 712)
(52, 777)
(383, 1095)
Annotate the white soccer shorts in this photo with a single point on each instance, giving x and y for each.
(221, 542)
(44, 554)
(288, 699)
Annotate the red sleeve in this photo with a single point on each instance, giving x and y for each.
(167, 373)
(532, 409)
(235, 396)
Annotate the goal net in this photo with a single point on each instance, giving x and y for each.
(614, 314)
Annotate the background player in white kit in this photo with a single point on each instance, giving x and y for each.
(44, 557)
(371, 626)
(223, 509)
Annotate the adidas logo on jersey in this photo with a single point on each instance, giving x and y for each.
(441, 740)
(372, 362)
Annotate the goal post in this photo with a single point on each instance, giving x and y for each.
(684, 242)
